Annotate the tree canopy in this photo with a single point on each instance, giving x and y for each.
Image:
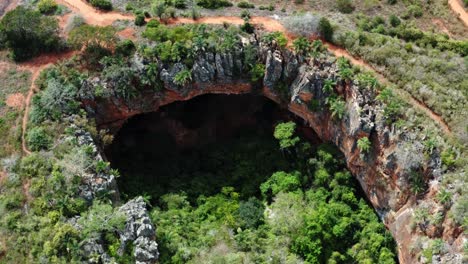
(27, 33)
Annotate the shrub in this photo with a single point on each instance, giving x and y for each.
(269, 7)
(337, 107)
(326, 29)
(281, 182)
(301, 45)
(101, 4)
(299, 2)
(245, 14)
(257, 72)
(416, 181)
(180, 4)
(28, 33)
(245, 4)
(125, 47)
(444, 197)
(251, 213)
(139, 20)
(391, 2)
(153, 23)
(129, 7)
(345, 6)
(284, 132)
(415, 10)
(38, 139)
(195, 14)
(47, 6)
(183, 77)
(394, 21)
(214, 4)
(364, 144)
(277, 37)
(247, 27)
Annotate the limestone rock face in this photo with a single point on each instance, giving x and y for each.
(273, 68)
(94, 184)
(140, 230)
(383, 173)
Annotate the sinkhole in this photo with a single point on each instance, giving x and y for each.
(222, 190)
(201, 145)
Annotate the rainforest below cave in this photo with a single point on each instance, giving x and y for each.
(236, 179)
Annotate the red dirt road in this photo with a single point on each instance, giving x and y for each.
(457, 7)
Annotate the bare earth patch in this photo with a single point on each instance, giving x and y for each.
(15, 100)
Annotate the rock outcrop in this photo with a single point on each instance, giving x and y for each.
(295, 82)
(140, 231)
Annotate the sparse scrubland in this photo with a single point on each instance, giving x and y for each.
(269, 197)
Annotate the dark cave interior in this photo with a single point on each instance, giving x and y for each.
(201, 145)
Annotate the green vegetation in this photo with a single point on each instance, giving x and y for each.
(183, 77)
(312, 215)
(213, 4)
(47, 6)
(422, 69)
(245, 4)
(38, 139)
(345, 6)
(101, 4)
(364, 144)
(326, 29)
(27, 33)
(139, 20)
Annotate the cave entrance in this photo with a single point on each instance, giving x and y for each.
(201, 145)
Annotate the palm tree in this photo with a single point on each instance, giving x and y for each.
(328, 86)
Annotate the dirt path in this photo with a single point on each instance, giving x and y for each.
(440, 24)
(457, 7)
(93, 16)
(36, 66)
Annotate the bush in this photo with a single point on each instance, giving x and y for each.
(183, 77)
(326, 29)
(281, 182)
(214, 4)
(139, 20)
(391, 2)
(415, 10)
(47, 6)
(180, 4)
(345, 6)
(284, 133)
(364, 144)
(257, 72)
(101, 4)
(251, 213)
(247, 27)
(245, 14)
(38, 139)
(244, 4)
(269, 8)
(125, 47)
(394, 21)
(27, 33)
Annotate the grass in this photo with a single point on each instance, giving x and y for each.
(12, 80)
